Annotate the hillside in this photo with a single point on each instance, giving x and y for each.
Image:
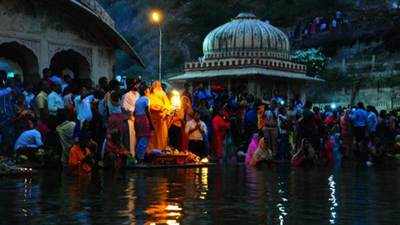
(188, 22)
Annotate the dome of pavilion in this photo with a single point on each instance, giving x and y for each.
(246, 36)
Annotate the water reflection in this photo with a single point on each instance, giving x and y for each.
(332, 199)
(216, 195)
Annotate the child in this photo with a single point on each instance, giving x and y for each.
(80, 159)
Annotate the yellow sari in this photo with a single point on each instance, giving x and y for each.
(160, 108)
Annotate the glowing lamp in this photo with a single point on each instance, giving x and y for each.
(156, 16)
(176, 100)
(205, 160)
(333, 106)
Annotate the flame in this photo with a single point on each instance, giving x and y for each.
(205, 160)
(176, 100)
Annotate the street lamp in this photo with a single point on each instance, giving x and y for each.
(156, 17)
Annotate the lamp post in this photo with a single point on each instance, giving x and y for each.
(156, 18)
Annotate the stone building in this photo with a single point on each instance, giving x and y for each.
(73, 36)
(250, 55)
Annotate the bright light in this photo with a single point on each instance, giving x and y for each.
(176, 100)
(282, 102)
(173, 208)
(205, 160)
(156, 16)
(333, 106)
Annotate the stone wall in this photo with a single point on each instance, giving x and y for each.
(382, 98)
(45, 32)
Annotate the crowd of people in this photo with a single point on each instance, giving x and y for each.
(339, 22)
(70, 122)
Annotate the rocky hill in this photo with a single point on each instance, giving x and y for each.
(187, 22)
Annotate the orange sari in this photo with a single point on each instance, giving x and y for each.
(160, 107)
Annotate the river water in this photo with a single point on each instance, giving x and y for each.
(215, 195)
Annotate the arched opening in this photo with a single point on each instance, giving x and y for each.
(17, 59)
(72, 63)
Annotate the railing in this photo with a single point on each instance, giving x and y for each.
(96, 8)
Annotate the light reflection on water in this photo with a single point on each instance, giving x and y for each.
(216, 195)
(332, 199)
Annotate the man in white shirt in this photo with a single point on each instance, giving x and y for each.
(196, 131)
(83, 105)
(54, 100)
(128, 105)
(129, 100)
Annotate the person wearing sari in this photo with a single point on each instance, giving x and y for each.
(261, 116)
(220, 125)
(345, 126)
(160, 109)
(186, 110)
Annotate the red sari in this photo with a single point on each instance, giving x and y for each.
(220, 127)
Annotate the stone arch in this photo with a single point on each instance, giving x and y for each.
(71, 60)
(20, 56)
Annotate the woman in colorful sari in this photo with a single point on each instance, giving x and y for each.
(220, 126)
(160, 110)
(187, 110)
(345, 127)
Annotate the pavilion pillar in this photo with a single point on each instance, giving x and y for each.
(289, 91)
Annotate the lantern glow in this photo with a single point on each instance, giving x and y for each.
(176, 100)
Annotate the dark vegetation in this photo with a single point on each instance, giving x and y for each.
(187, 22)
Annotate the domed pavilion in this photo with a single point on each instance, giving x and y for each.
(247, 54)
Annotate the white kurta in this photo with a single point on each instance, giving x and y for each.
(128, 105)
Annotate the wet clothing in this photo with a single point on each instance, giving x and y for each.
(220, 127)
(65, 133)
(77, 161)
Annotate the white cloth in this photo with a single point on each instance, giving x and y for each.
(29, 139)
(84, 108)
(29, 97)
(54, 103)
(195, 135)
(68, 100)
(129, 100)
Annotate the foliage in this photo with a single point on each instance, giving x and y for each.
(314, 59)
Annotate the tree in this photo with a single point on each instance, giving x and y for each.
(314, 59)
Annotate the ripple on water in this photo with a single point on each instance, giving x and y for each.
(216, 195)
